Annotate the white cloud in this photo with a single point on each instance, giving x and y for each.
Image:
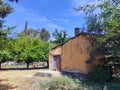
(29, 14)
(43, 19)
(54, 26)
(61, 19)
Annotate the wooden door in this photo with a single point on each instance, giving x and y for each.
(56, 62)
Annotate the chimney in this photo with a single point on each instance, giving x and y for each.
(77, 31)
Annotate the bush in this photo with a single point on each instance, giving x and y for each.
(114, 84)
(60, 83)
(99, 75)
(67, 83)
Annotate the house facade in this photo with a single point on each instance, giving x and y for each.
(72, 55)
(55, 58)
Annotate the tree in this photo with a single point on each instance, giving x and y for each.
(108, 19)
(44, 34)
(94, 24)
(60, 37)
(25, 50)
(112, 52)
(30, 49)
(29, 32)
(93, 20)
(4, 44)
(109, 24)
(5, 9)
(111, 17)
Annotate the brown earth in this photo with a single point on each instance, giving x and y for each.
(19, 79)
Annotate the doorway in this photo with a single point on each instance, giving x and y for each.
(56, 63)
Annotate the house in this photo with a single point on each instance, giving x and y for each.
(72, 55)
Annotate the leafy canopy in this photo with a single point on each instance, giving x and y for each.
(60, 36)
(106, 23)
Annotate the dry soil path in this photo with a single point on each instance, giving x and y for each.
(18, 79)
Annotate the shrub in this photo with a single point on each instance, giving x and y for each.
(113, 85)
(99, 75)
(67, 83)
(61, 83)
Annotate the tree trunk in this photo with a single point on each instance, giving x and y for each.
(0, 65)
(110, 71)
(48, 64)
(27, 65)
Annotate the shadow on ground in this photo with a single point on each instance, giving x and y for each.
(6, 86)
(23, 68)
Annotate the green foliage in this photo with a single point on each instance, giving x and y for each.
(99, 74)
(93, 20)
(67, 83)
(5, 53)
(112, 86)
(111, 16)
(109, 51)
(30, 49)
(60, 37)
(62, 83)
(94, 24)
(113, 50)
(5, 9)
(107, 24)
(107, 21)
(29, 32)
(44, 34)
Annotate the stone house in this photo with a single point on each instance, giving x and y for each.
(72, 55)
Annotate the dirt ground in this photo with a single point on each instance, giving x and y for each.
(19, 79)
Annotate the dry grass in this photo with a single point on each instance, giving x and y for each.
(19, 80)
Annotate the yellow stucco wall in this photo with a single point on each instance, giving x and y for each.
(52, 52)
(75, 55)
(56, 51)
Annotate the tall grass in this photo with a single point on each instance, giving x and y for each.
(67, 83)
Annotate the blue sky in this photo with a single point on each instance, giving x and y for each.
(49, 14)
